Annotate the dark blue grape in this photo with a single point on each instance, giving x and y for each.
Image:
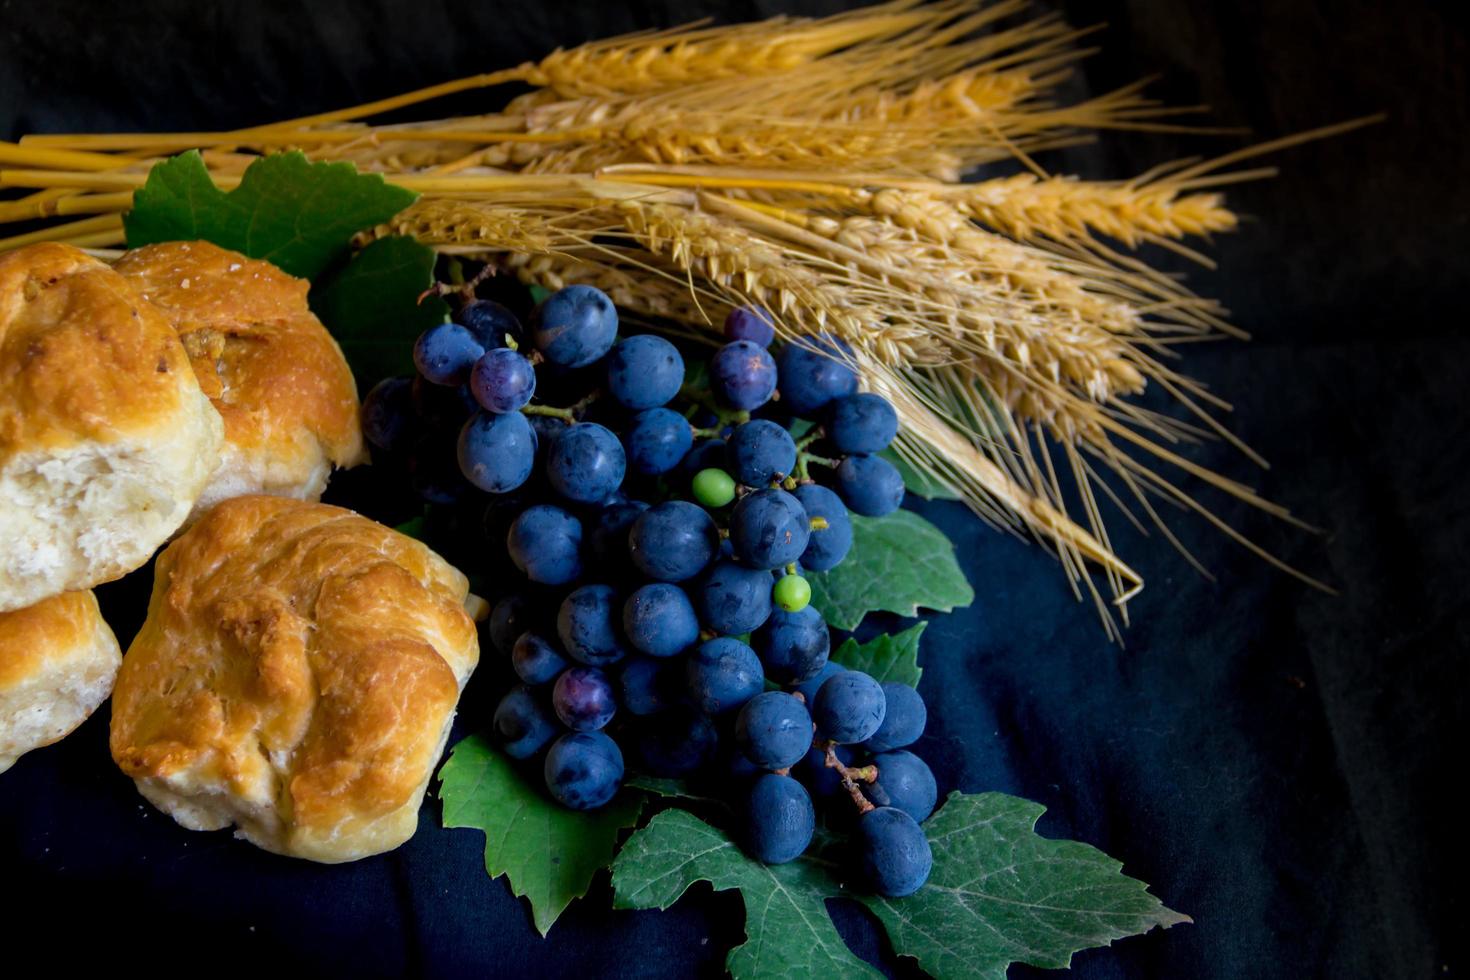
(742, 375)
(733, 599)
(895, 853)
(861, 423)
(583, 699)
(869, 485)
(723, 674)
(433, 472)
(644, 372)
(584, 770)
(656, 440)
(759, 452)
(442, 408)
(497, 452)
(545, 543)
(827, 546)
(812, 374)
(536, 659)
(523, 724)
(752, 323)
(607, 535)
(659, 620)
(793, 646)
(647, 685)
(388, 416)
(849, 707)
(491, 323)
(768, 529)
(587, 626)
(903, 719)
(502, 381)
(774, 730)
(575, 326)
(676, 742)
(509, 618)
(548, 429)
(905, 782)
(673, 541)
(736, 768)
(445, 352)
(586, 464)
(706, 454)
(778, 819)
(809, 688)
(824, 782)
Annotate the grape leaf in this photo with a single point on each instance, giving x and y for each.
(916, 481)
(788, 931)
(1001, 894)
(371, 306)
(298, 215)
(548, 852)
(898, 563)
(998, 894)
(887, 657)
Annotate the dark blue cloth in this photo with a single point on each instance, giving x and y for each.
(1276, 762)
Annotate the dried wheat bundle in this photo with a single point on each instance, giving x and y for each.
(813, 167)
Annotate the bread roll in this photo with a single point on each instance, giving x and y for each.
(57, 663)
(274, 373)
(105, 438)
(296, 677)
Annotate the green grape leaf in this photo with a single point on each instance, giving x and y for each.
(788, 931)
(301, 216)
(549, 853)
(899, 563)
(371, 306)
(998, 894)
(413, 527)
(1001, 894)
(916, 481)
(887, 657)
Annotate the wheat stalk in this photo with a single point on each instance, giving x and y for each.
(811, 166)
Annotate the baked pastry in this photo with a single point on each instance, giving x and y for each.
(296, 677)
(270, 367)
(57, 663)
(105, 438)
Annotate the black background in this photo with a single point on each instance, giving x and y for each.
(1276, 762)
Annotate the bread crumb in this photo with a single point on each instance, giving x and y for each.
(184, 284)
(234, 267)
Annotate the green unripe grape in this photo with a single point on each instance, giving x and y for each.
(713, 488)
(792, 593)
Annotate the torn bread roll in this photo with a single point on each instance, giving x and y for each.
(58, 659)
(296, 678)
(106, 440)
(276, 376)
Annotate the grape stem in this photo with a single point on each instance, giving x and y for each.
(569, 414)
(804, 459)
(851, 776)
(706, 433)
(465, 289)
(809, 438)
(565, 414)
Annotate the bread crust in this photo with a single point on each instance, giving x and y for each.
(273, 372)
(105, 437)
(296, 677)
(58, 659)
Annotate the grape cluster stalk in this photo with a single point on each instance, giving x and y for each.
(660, 523)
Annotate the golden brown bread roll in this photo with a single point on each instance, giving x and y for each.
(274, 373)
(57, 663)
(105, 437)
(296, 677)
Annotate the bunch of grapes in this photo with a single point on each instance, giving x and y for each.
(660, 531)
